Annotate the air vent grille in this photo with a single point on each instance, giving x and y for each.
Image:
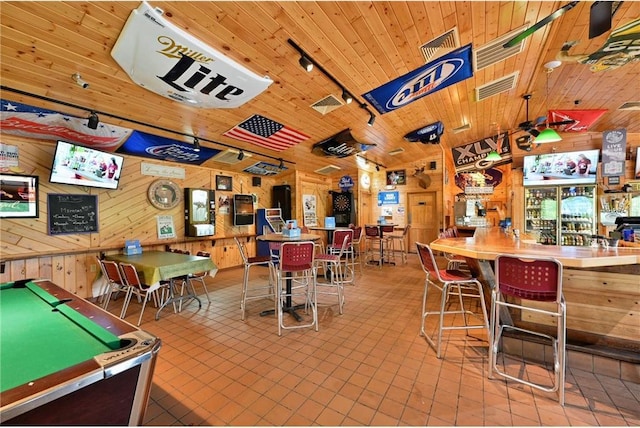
(326, 170)
(396, 151)
(494, 51)
(495, 87)
(442, 44)
(631, 105)
(229, 156)
(327, 105)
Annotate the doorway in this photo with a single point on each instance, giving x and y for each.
(423, 217)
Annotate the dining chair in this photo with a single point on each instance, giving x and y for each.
(296, 278)
(532, 286)
(442, 279)
(114, 282)
(143, 291)
(333, 263)
(200, 276)
(256, 292)
(401, 239)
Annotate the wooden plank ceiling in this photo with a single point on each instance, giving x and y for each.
(362, 44)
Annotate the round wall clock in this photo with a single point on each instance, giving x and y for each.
(365, 181)
(164, 194)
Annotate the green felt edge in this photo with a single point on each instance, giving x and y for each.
(99, 332)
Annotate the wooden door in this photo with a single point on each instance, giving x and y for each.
(422, 215)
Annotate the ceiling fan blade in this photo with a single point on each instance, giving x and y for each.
(540, 120)
(535, 27)
(600, 17)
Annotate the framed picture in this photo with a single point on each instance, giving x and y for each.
(18, 196)
(224, 182)
(637, 175)
(398, 177)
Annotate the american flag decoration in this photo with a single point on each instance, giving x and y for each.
(266, 133)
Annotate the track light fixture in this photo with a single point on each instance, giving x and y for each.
(377, 167)
(306, 63)
(346, 95)
(93, 121)
(367, 161)
(281, 166)
(196, 144)
(240, 155)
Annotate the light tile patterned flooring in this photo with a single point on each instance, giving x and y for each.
(368, 366)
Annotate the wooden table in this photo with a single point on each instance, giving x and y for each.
(154, 266)
(278, 237)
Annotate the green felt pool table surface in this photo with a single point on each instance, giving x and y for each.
(41, 335)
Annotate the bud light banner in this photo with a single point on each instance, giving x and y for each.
(427, 134)
(166, 149)
(168, 61)
(472, 156)
(444, 71)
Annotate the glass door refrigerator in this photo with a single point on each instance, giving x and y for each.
(561, 215)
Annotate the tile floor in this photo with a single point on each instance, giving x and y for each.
(368, 366)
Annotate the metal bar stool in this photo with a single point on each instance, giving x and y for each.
(526, 281)
(400, 238)
(443, 280)
(333, 263)
(257, 292)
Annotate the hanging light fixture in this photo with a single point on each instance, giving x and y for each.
(281, 166)
(93, 121)
(493, 156)
(196, 144)
(240, 155)
(372, 119)
(548, 135)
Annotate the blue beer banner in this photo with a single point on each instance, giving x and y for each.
(161, 148)
(445, 71)
(388, 198)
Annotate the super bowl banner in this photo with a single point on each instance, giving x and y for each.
(472, 156)
(431, 77)
(168, 61)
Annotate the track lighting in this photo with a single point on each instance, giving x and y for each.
(93, 121)
(196, 144)
(367, 161)
(240, 155)
(306, 63)
(346, 96)
(372, 119)
(281, 166)
(78, 79)
(377, 167)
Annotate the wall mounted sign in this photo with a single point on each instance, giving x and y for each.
(388, 198)
(161, 170)
(151, 50)
(471, 157)
(429, 134)
(161, 148)
(346, 183)
(614, 148)
(445, 71)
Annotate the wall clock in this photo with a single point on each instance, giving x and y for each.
(365, 181)
(164, 194)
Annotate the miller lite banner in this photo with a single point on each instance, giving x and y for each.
(472, 156)
(340, 145)
(431, 77)
(168, 61)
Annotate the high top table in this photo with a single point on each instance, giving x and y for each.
(278, 237)
(154, 266)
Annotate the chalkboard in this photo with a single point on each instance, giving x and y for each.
(72, 214)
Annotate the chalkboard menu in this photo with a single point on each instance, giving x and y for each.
(72, 214)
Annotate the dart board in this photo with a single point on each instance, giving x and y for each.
(343, 209)
(342, 202)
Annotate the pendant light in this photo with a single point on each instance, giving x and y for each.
(548, 135)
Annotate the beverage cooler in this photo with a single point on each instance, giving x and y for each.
(561, 215)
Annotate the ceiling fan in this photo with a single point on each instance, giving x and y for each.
(599, 20)
(525, 142)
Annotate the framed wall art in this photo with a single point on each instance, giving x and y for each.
(398, 177)
(18, 196)
(224, 183)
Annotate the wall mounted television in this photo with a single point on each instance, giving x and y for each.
(560, 169)
(83, 166)
(243, 214)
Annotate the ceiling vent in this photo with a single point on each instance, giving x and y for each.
(442, 44)
(229, 156)
(494, 51)
(503, 84)
(462, 128)
(326, 170)
(327, 105)
(631, 105)
(396, 151)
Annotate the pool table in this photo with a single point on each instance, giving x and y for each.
(65, 361)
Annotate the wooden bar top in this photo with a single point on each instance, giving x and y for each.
(487, 243)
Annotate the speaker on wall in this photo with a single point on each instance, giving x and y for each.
(432, 165)
(256, 181)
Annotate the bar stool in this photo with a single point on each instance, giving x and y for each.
(258, 292)
(373, 242)
(525, 280)
(348, 270)
(441, 279)
(400, 239)
(333, 263)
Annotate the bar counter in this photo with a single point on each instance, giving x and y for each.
(601, 287)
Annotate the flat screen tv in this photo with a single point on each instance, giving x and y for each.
(83, 166)
(560, 169)
(243, 214)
